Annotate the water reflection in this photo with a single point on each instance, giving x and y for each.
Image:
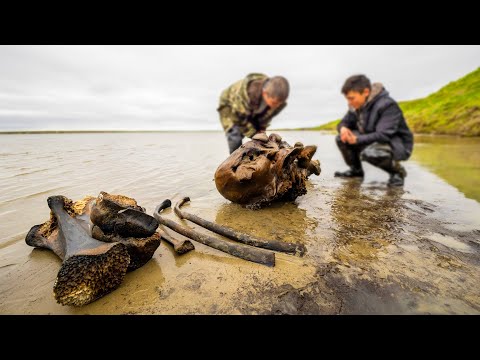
(366, 219)
(454, 159)
(281, 221)
(201, 253)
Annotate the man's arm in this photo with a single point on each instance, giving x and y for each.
(349, 121)
(229, 118)
(386, 127)
(345, 128)
(263, 126)
(265, 123)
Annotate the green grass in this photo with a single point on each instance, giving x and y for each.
(331, 126)
(453, 110)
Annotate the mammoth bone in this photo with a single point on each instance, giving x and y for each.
(266, 169)
(235, 235)
(90, 268)
(245, 252)
(118, 218)
(99, 240)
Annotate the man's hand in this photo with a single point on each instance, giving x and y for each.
(352, 139)
(345, 134)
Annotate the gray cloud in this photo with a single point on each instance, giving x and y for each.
(177, 87)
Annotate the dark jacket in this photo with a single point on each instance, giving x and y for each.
(381, 120)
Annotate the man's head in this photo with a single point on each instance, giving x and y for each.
(275, 91)
(356, 89)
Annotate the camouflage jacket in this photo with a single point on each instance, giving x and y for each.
(235, 108)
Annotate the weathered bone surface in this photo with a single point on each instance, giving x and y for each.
(245, 252)
(118, 218)
(123, 216)
(140, 250)
(90, 268)
(266, 169)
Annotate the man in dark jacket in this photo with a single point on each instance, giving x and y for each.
(373, 130)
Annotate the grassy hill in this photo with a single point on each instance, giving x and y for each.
(332, 125)
(453, 110)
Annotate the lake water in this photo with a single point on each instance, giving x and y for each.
(371, 249)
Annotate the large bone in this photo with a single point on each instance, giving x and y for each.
(90, 268)
(118, 218)
(230, 233)
(242, 251)
(140, 250)
(121, 215)
(266, 169)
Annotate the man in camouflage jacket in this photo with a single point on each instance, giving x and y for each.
(248, 106)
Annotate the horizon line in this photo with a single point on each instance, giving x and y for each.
(116, 131)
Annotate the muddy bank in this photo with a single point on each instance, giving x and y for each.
(370, 249)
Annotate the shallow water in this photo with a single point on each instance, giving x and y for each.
(454, 159)
(370, 249)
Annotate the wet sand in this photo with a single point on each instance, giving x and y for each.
(370, 249)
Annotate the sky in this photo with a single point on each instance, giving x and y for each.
(178, 87)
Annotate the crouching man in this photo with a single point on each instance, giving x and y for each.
(373, 130)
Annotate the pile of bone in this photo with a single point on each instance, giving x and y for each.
(99, 240)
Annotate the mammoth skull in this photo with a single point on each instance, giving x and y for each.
(266, 169)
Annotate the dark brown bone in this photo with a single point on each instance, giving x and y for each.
(266, 169)
(90, 268)
(230, 233)
(121, 215)
(242, 251)
(140, 250)
(119, 218)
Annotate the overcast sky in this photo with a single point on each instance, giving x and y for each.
(177, 87)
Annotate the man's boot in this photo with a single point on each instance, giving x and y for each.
(352, 172)
(351, 155)
(397, 177)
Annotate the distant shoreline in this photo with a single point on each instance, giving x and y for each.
(27, 132)
(43, 132)
(98, 131)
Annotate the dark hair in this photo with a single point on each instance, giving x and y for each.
(356, 83)
(277, 87)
